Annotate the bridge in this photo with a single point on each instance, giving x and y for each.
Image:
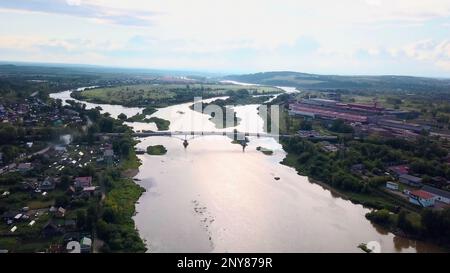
(241, 137)
(197, 133)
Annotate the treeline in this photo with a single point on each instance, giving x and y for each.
(429, 224)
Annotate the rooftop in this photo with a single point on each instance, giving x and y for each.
(422, 194)
(436, 191)
(411, 178)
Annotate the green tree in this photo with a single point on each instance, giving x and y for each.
(122, 116)
(81, 219)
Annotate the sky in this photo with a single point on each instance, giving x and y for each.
(370, 37)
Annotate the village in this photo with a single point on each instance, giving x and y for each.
(50, 187)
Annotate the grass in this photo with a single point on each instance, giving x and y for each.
(162, 94)
(156, 150)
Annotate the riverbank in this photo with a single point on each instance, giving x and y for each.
(117, 227)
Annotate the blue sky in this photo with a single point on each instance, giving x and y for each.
(409, 37)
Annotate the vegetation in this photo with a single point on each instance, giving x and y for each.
(264, 150)
(161, 124)
(156, 150)
(400, 85)
(161, 95)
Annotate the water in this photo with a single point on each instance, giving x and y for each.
(114, 110)
(212, 197)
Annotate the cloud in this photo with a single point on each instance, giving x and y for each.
(85, 9)
(73, 2)
(436, 52)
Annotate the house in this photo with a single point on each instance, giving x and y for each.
(421, 198)
(89, 191)
(48, 184)
(61, 212)
(24, 167)
(440, 195)
(83, 182)
(399, 170)
(51, 229)
(392, 186)
(410, 180)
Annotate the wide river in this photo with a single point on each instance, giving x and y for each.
(213, 197)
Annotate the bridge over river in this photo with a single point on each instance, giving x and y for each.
(198, 133)
(241, 137)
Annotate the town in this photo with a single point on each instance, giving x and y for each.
(373, 119)
(55, 176)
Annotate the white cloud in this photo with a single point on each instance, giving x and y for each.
(73, 2)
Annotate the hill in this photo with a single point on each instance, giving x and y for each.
(327, 82)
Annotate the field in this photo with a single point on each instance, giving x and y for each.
(160, 95)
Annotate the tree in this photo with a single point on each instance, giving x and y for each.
(65, 182)
(339, 126)
(306, 125)
(122, 116)
(61, 201)
(81, 219)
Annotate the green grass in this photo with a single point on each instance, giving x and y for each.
(164, 94)
(156, 150)
(132, 162)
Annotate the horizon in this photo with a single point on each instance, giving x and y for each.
(202, 72)
(364, 37)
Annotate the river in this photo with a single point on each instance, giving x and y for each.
(212, 197)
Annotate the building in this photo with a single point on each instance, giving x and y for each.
(392, 186)
(83, 182)
(48, 184)
(61, 212)
(440, 195)
(315, 111)
(399, 170)
(410, 180)
(389, 123)
(24, 167)
(422, 198)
